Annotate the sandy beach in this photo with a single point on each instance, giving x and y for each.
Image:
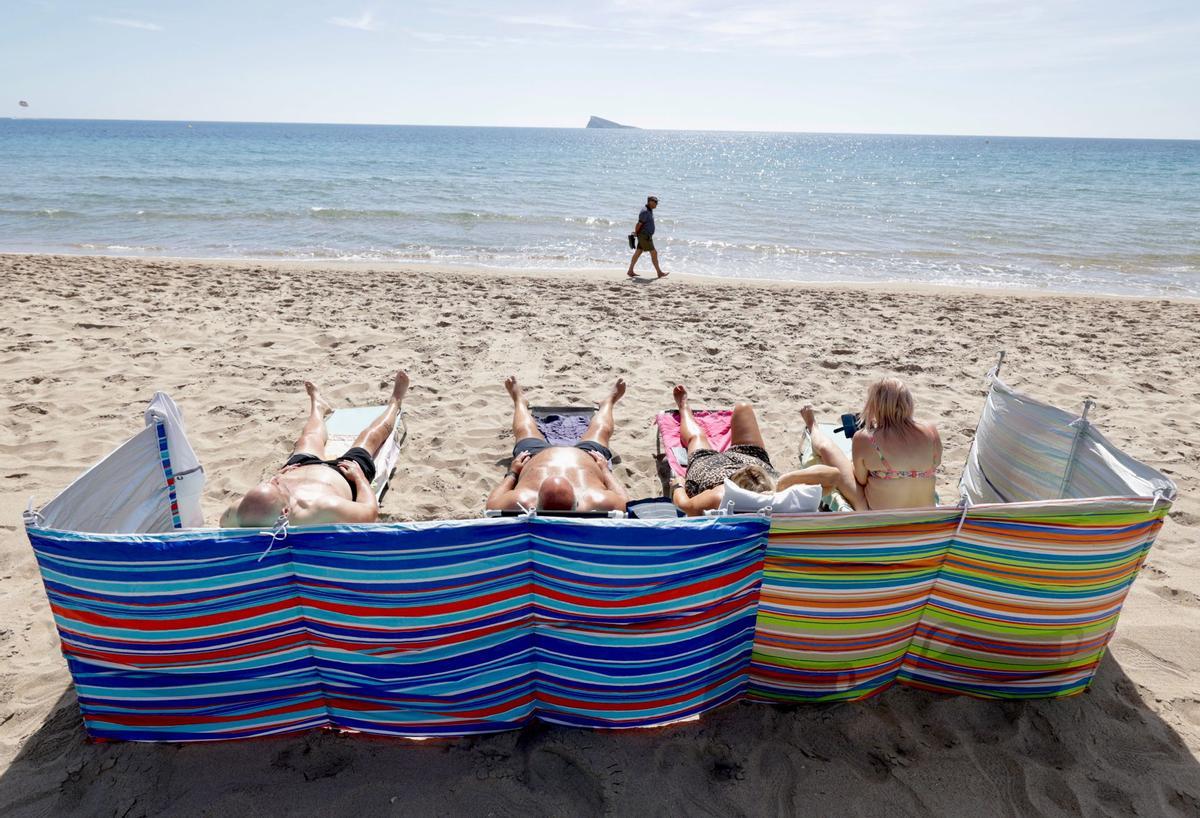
(87, 340)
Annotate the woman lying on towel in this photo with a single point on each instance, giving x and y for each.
(745, 463)
(894, 457)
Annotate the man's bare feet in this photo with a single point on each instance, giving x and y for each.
(514, 389)
(661, 274)
(318, 402)
(400, 387)
(631, 274)
(810, 417)
(681, 395)
(618, 391)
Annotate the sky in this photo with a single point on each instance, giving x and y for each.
(1103, 68)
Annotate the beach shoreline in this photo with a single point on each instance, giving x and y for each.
(88, 339)
(600, 274)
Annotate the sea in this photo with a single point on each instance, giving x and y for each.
(1114, 216)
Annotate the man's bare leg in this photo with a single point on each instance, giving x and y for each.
(657, 269)
(601, 428)
(831, 455)
(523, 423)
(374, 436)
(691, 433)
(313, 437)
(636, 255)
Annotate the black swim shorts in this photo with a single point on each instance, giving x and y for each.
(357, 454)
(533, 445)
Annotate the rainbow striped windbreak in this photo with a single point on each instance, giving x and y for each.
(455, 628)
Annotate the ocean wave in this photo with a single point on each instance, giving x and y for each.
(42, 213)
(119, 248)
(283, 215)
(591, 221)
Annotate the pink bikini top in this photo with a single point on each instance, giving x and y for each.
(888, 473)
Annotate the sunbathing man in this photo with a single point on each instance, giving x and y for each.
(560, 478)
(311, 490)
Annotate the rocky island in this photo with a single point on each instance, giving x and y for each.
(598, 122)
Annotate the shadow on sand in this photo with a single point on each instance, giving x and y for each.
(904, 753)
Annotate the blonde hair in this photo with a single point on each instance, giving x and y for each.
(889, 406)
(753, 478)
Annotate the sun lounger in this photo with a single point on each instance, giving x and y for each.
(562, 425)
(344, 425)
(717, 424)
(832, 500)
(808, 457)
(653, 508)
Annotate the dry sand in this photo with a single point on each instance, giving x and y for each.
(87, 340)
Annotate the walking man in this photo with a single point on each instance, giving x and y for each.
(644, 230)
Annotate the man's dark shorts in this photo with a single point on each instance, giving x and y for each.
(533, 445)
(358, 455)
(645, 242)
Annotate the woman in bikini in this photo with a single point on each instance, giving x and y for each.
(894, 457)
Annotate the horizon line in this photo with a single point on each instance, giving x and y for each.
(585, 128)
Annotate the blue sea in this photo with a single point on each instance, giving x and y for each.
(1078, 215)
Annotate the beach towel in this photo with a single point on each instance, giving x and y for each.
(344, 425)
(562, 425)
(716, 423)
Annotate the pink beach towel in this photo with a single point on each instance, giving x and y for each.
(716, 423)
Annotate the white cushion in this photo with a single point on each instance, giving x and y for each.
(798, 499)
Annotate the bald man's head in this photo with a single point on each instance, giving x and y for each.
(556, 494)
(261, 506)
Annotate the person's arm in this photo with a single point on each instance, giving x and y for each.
(937, 446)
(702, 502)
(338, 510)
(611, 484)
(858, 450)
(824, 476)
(503, 496)
(365, 507)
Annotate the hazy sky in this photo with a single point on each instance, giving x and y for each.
(1063, 68)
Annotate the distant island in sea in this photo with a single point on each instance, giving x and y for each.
(600, 122)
